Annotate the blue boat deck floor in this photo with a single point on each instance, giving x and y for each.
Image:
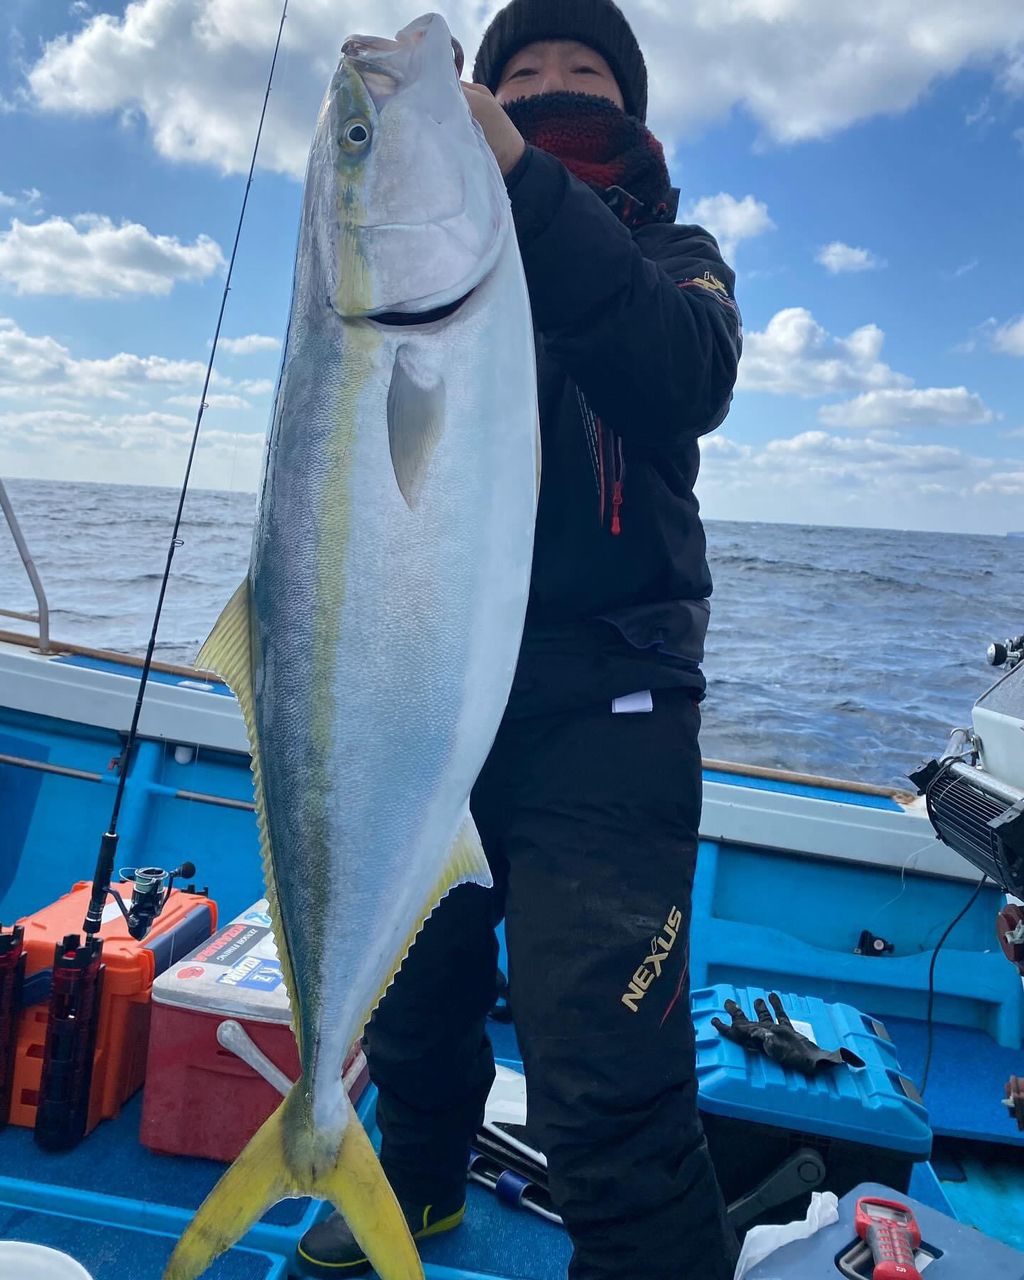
(118, 1207)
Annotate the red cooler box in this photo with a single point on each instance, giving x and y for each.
(201, 1099)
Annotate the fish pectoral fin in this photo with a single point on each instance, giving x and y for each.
(255, 1182)
(358, 1189)
(415, 424)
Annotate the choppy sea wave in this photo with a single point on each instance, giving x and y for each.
(849, 652)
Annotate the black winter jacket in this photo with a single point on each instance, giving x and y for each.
(638, 340)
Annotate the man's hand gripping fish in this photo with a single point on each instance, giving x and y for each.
(373, 643)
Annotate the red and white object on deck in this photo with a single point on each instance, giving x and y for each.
(201, 1097)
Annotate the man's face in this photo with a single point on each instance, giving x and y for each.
(557, 66)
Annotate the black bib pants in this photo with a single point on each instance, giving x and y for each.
(589, 820)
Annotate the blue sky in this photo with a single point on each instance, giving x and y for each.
(861, 162)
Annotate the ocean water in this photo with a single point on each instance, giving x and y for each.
(847, 652)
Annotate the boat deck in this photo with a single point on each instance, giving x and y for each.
(118, 1208)
(791, 870)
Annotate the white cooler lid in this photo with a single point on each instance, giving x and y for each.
(236, 972)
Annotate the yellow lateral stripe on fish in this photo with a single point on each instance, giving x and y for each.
(373, 643)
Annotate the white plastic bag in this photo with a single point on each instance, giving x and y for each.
(761, 1241)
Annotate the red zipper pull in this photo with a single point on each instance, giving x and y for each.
(616, 504)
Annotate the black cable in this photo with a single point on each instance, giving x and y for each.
(108, 844)
(931, 978)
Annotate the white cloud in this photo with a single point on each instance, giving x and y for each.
(147, 448)
(964, 269)
(903, 407)
(1006, 484)
(249, 345)
(194, 70)
(27, 198)
(91, 257)
(108, 419)
(29, 363)
(257, 386)
(794, 355)
(819, 478)
(1009, 338)
(58, 424)
(729, 220)
(837, 257)
(981, 114)
(816, 456)
(1011, 79)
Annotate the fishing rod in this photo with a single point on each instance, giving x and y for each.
(62, 1113)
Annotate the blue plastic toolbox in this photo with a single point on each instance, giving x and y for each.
(950, 1250)
(775, 1135)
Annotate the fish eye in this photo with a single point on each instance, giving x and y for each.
(355, 135)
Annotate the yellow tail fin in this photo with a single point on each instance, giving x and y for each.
(356, 1186)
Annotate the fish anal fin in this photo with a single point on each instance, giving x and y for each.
(416, 409)
(466, 864)
(228, 652)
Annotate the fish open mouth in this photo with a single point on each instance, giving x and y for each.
(407, 319)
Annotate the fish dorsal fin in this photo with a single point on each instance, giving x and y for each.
(228, 652)
(415, 423)
(466, 864)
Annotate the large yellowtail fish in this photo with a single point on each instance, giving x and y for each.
(373, 643)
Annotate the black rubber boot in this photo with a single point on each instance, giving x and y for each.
(329, 1249)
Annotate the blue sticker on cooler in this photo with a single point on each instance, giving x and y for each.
(255, 974)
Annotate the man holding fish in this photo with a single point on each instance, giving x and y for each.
(588, 804)
(465, 687)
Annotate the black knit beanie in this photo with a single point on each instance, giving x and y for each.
(596, 23)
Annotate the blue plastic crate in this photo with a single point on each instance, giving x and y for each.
(876, 1105)
(775, 1135)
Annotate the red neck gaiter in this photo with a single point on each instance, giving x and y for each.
(599, 144)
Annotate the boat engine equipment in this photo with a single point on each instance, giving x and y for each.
(975, 792)
(1006, 653)
(891, 1232)
(974, 795)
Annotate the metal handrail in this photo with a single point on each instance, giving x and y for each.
(42, 616)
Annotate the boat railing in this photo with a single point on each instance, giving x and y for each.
(42, 615)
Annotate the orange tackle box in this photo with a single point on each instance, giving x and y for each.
(119, 1064)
